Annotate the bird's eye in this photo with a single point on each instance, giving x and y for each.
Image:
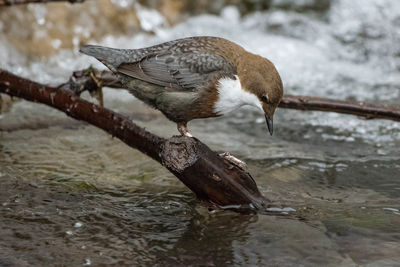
(264, 99)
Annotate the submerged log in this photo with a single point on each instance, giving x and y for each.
(212, 178)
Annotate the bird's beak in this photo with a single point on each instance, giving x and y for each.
(270, 124)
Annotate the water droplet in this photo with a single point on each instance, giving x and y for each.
(87, 262)
(288, 209)
(391, 209)
(78, 224)
(231, 207)
(260, 120)
(69, 232)
(283, 211)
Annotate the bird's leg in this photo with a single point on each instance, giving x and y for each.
(182, 128)
(240, 163)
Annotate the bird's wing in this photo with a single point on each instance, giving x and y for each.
(178, 71)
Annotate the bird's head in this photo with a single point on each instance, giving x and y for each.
(262, 79)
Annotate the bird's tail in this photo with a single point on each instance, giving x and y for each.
(111, 57)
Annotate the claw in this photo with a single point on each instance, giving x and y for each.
(182, 128)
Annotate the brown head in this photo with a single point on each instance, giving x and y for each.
(259, 76)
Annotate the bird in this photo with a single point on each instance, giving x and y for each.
(195, 77)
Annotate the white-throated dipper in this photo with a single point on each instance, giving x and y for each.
(195, 77)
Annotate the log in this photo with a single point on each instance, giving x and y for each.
(215, 181)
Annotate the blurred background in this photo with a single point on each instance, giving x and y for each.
(71, 194)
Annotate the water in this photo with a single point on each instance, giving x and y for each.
(73, 195)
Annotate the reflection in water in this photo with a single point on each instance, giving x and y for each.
(210, 239)
(73, 195)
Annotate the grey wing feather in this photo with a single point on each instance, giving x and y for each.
(149, 69)
(182, 72)
(182, 64)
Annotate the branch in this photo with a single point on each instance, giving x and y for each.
(368, 111)
(22, 2)
(212, 178)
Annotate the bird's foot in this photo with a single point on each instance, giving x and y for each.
(98, 94)
(240, 163)
(182, 128)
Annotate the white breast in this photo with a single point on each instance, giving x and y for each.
(231, 96)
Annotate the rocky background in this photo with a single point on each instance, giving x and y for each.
(42, 30)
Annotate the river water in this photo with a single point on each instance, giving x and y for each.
(71, 195)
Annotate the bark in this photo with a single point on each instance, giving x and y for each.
(22, 2)
(212, 178)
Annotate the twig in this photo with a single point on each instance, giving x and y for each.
(212, 178)
(368, 111)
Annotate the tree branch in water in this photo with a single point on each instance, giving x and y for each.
(212, 178)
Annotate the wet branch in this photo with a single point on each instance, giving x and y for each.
(22, 2)
(362, 109)
(212, 178)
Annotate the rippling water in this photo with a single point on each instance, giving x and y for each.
(72, 195)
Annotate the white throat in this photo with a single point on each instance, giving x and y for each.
(231, 96)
